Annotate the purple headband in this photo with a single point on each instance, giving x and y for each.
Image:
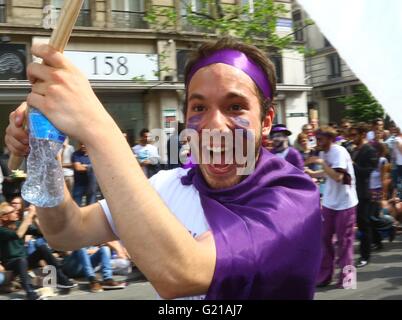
(240, 61)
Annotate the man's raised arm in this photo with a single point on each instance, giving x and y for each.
(174, 262)
(67, 226)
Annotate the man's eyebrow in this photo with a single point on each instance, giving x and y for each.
(235, 94)
(230, 95)
(196, 96)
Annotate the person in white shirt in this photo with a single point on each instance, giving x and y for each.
(147, 154)
(338, 204)
(378, 176)
(397, 152)
(68, 171)
(377, 125)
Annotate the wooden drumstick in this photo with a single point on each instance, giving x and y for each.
(60, 36)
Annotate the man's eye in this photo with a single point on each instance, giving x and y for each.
(236, 107)
(198, 108)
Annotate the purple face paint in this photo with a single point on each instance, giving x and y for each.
(240, 122)
(194, 122)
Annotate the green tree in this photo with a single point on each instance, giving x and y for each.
(362, 106)
(256, 26)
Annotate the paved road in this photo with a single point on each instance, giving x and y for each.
(381, 279)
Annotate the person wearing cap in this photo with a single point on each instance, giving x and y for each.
(280, 140)
(235, 228)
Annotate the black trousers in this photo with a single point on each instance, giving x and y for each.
(20, 266)
(376, 222)
(365, 228)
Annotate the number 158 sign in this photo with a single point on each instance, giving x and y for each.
(115, 66)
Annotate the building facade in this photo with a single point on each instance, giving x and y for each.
(135, 69)
(329, 76)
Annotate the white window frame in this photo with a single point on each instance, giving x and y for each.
(126, 5)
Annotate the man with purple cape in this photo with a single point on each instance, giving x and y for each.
(232, 228)
(280, 141)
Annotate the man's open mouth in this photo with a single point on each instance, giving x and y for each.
(219, 159)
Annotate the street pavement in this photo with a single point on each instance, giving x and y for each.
(380, 280)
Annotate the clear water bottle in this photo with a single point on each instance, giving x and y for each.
(44, 186)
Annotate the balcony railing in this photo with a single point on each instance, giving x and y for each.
(3, 13)
(129, 19)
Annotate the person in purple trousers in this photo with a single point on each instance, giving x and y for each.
(280, 138)
(338, 206)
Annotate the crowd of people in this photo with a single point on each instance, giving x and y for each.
(24, 250)
(358, 171)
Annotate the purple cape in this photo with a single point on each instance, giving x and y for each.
(294, 157)
(266, 230)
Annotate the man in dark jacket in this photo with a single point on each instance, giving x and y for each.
(365, 160)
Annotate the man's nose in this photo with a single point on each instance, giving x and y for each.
(216, 120)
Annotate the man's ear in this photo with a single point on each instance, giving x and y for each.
(267, 122)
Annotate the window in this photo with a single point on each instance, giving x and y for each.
(129, 14)
(84, 18)
(191, 7)
(277, 61)
(3, 14)
(334, 66)
(181, 56)
(298, 25)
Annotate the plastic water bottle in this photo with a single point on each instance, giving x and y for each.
(44, 186)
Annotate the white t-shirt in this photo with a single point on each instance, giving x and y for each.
(339, 196)
(312, 142)
(147, 152)
(397, 152)
(67, 153)
(183, 201)
(370, 135)
(375, 176)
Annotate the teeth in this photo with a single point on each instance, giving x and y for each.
(216, 149)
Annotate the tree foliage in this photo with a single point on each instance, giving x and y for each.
(254, 24)
(362, 106)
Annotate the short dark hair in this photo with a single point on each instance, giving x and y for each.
(252, 52)
(143, 132)
(361, 128)
(327, 131)
(301, 137)
(333, 125)
(375, 121)
(381, 149)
